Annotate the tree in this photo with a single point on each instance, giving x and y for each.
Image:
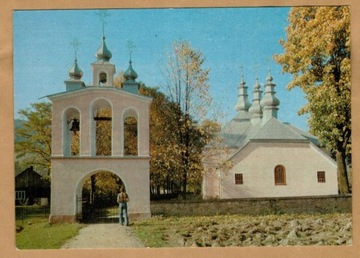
(164, 162)
(33, 147)
(187, 87)
(101, 188)
(317, 54)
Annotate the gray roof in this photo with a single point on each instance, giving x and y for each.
(238, 132)
(273, 129)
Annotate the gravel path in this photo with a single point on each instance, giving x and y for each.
(104, 236)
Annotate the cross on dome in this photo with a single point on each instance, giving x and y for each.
(75, 71)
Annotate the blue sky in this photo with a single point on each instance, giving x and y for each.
(229, 38)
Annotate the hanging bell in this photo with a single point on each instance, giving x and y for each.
(75, 126)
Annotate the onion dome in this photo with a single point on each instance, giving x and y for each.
(75, 71)
(270, 102)
(255, 109)
(243, 103)
(103, 52)
(130, 74)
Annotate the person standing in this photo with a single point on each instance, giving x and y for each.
(122, 200)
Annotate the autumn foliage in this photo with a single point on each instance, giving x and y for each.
(317, 54)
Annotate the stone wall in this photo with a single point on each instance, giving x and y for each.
(309, 205)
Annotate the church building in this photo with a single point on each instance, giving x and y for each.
(258, 156)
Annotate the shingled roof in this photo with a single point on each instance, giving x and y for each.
(238, 133)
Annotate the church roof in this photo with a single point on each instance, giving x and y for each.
(237, 133)
(273, 129)
(259, 123)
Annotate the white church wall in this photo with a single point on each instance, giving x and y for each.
(256, 162)
(213, 160)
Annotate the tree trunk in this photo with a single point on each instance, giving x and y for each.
(343, 181)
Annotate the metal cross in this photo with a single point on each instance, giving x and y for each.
(130, 46)
(75, 43)
(102, 16)
(242, 70)
(256, 69)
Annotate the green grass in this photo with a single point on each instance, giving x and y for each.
(37, 233)
(156, 232)
(152, 232)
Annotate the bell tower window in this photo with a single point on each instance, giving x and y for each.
(102, 78)
(130, 136)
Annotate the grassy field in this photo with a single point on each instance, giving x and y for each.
(35, 232)
(239, 230)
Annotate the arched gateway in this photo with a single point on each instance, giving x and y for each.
(80, 117)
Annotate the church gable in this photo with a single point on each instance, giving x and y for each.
(96, 92)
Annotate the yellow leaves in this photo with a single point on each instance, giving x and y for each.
(313, 31)
(317, 54)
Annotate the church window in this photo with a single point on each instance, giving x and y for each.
(280, 175)
(321, 176)
(239, 179)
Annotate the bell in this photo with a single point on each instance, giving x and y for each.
(75, 127)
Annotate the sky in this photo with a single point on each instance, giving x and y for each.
(235, 42)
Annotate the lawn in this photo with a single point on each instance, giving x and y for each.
(240, 230)
(35, 232)
(201, 231)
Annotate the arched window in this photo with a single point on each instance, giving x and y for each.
(280, 175)
(101, 128)
(71, 132)
(130, 136)
(103, 131)
(102, 78)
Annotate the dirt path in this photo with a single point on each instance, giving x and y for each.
(104, 236)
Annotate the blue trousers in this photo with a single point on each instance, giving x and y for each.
(123, 214)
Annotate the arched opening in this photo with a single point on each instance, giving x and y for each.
(130, 137)
(98, 197)
(101, 133)
(280, 175)
(71, 132)
(130, 124)
(102, 78)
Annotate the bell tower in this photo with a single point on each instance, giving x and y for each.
(103, 69)
(78, 146)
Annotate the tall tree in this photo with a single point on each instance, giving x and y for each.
(187, 87)
(164, 163)
(33, 147)
(317, 54)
